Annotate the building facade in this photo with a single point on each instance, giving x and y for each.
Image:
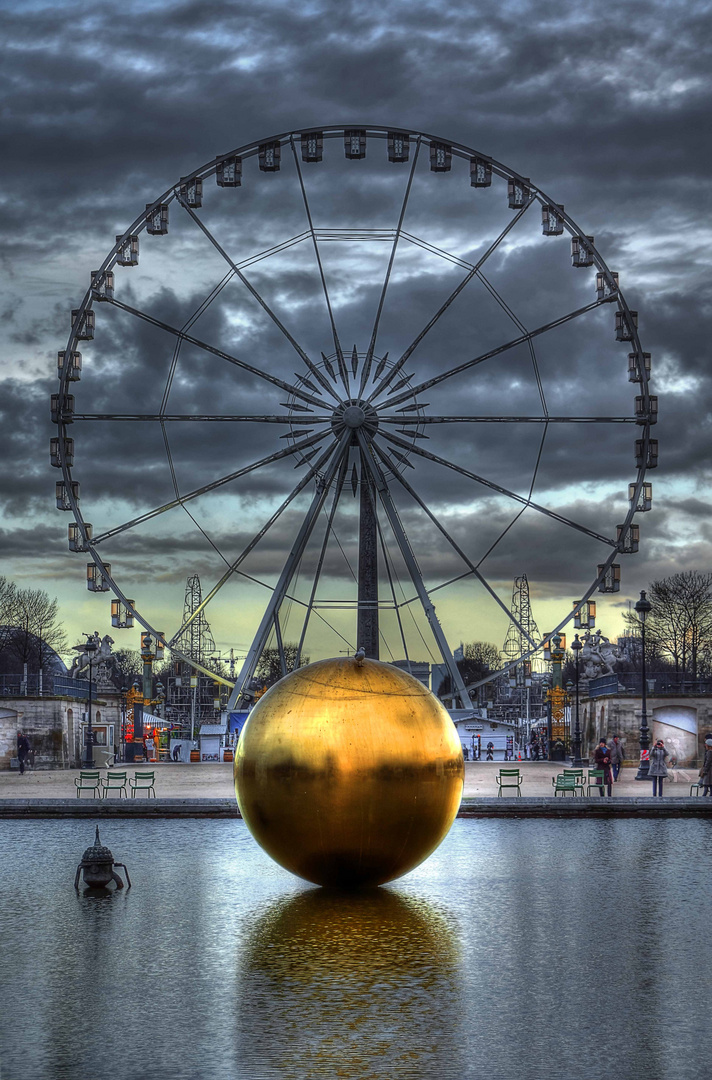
(55, 728)
(683, 721)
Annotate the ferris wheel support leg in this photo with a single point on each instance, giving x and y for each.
(280, 644)
(372, 466)
(288, 571)
(367, 633)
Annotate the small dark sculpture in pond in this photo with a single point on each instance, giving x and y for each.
(98, 866)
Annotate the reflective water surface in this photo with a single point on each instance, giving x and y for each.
(521, 949)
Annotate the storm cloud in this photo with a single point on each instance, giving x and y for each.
(602, 108)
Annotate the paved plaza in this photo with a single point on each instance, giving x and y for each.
(214, 781)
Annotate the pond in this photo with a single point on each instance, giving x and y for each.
(521, 949)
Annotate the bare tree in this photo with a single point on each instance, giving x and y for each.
(8, 613)
(679, 627)
(128, 666)
(479, 658)
(37, 631)
(269, 667)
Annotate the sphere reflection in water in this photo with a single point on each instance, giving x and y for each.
(349, 774)
(351, 985)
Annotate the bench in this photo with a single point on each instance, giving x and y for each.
(114, 781)
(88, 780)
(595, 780)
(565, 783)
(143, 781)
(509, 778)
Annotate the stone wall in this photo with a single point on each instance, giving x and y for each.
(682, 721)
(53, 727)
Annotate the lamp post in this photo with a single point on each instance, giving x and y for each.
(40, 687)
(137, 718)
(124, 692)
(89, 648)
(576, 762)
(642, 608)
(555, 651)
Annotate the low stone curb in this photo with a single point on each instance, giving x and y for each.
(581, 807)
(113, 808)
(524, 806)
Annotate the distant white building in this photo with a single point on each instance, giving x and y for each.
(419, 669)
(475, 730)
(211, 737)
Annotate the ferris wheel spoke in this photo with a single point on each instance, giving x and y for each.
(322, 555)
(374, 333)
(402, 361)
(305, 444)
(204, 418)
(396, 605)
(288, 387)
(416, 421)
(468, 364)
(437, 588)
(374, 469)
(248, 284)
(331, 463)
(343, 372)
(527, 502)
(472, 271)
(331, 456)
(520, 326)
(519, 512)
(456, 548)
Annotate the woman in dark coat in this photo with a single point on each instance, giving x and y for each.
(706, 770)
(602, 757)
(658, 769)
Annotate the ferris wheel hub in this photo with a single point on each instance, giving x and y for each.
(354, 416)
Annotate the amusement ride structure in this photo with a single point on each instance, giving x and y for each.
(433, 429)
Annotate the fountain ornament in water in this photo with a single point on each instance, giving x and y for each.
(349, 772)
(98, 867)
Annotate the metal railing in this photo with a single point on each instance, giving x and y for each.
(51, 686)
(659, 683)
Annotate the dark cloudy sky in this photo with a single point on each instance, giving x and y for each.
(605, 108)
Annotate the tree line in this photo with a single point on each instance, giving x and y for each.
(678, 636)
(678, 629)
(30, 628)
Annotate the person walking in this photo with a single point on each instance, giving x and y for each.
(23, 750)
(615, 752)
(658, 769)
(706, 770)
(602, 758)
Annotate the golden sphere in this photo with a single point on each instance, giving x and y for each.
(349, 775)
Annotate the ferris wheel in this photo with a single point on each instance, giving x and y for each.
(357, 371)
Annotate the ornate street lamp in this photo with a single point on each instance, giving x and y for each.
(642, 608)
(89, 647)
(555, 651)
(577, 763)
(124, 692)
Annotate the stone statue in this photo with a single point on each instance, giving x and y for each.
(598, 655)
(101, 660)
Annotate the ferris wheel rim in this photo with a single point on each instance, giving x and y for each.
(335, 131)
